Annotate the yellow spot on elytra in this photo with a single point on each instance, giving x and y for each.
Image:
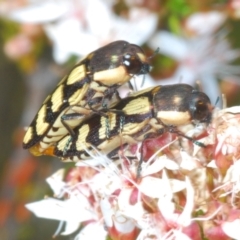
(78, 95)
(64, 143)
(132, 128)
(57, 99)
(28, 135)
(107, 125)
(110, 144)
(77, 74)
(82, 135)
(41, 125)
(140, 106)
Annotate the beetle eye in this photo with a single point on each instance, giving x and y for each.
(132, 63)
(200, 108)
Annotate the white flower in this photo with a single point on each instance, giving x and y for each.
(204, 58)
(202, 23)
(73, 211)
(77, 27)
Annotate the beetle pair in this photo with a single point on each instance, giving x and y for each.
(89, 86)
(63, 127)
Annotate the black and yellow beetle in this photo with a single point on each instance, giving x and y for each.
(91, 83)
(145, 114)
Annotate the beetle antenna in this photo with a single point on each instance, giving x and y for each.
(155, 53)
(217, 101)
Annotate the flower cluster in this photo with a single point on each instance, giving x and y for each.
(183, 191)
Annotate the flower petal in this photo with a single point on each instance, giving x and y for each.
(55, 181)
(70, 227)
(232, 229)
(138, 28)
(158, 165)
(92, 231)
(122, 223)
(197, 22)
(67, 210)
(41, 12)
(156, 188)
(170, 44)
(107, 211)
